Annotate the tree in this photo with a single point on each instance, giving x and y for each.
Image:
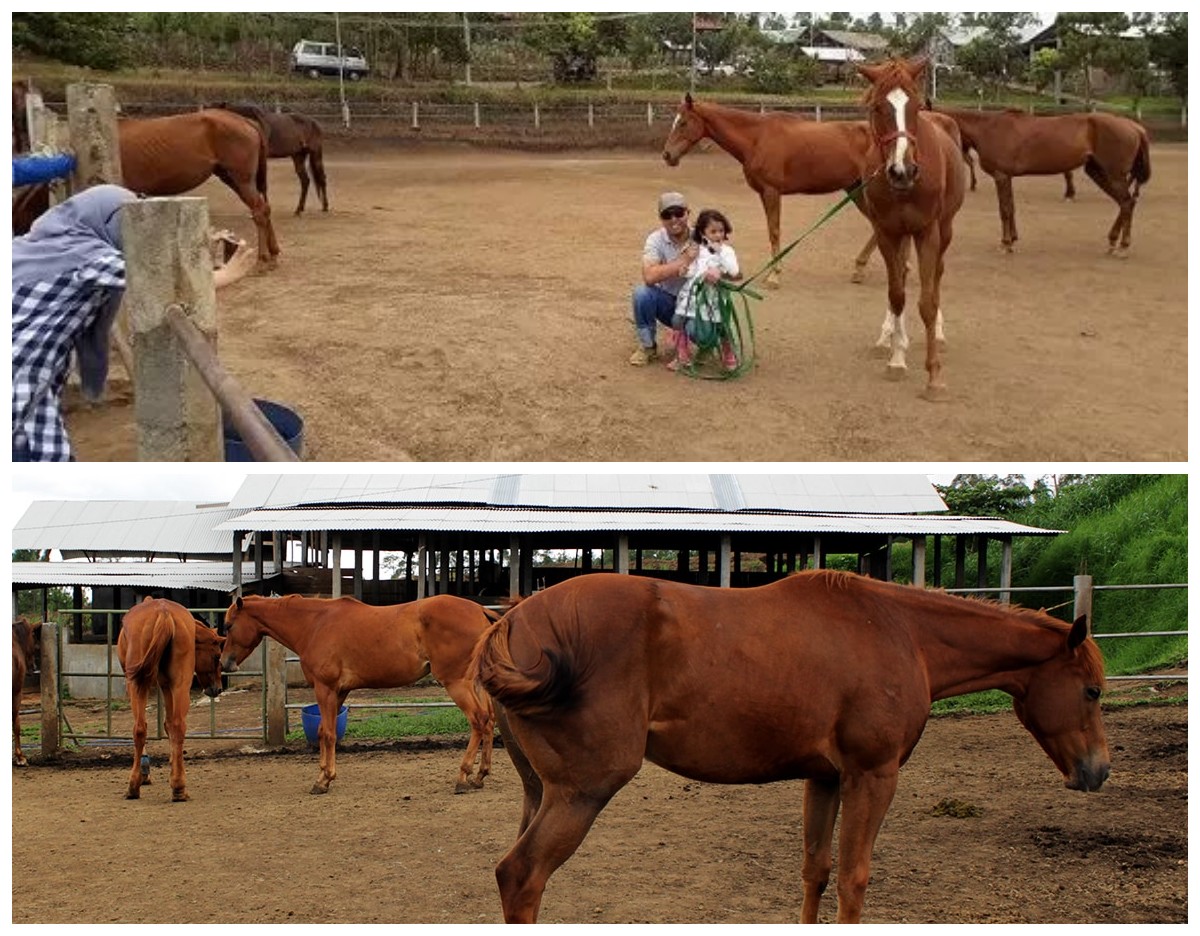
(575, 41)
(977, 495)
(1167, 42)
(1094, 40)
(96, 40)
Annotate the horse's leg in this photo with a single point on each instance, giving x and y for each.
(1118, 192)
(298, 162)
(316, 162)
(482, 725)
(330, 703)
(551, 838)
(260, 210)
(931, 249)
(970, 166)
(1069, 178)
(137, 704)
(865, 801)
(1008, 221)
(864, 255)
(176, 700)
(894, 251)
(18, 757)
(820, 811)
(771, 206)
(530, 781)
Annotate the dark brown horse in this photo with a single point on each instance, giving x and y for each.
(781, 154)
(1114, 152)
(825, 676)
(173, 155)
(913, 189)
(296, 136)
(25, 653)
(162, 645)
(344, 645)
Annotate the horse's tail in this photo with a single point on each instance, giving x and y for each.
(544, 689)
(316, 158)
(158, 640)
(1140, 172)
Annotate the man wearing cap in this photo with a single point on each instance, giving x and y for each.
(666, 257)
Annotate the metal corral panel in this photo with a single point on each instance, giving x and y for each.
(217, 576)
(128, 527)
(520, 520)
(876, 494)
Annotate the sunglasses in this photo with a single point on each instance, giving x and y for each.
(671, 213)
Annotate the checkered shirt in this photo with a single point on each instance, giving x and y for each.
(47, 319)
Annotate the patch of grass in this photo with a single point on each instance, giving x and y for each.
(386, 726)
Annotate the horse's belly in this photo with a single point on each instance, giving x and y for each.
(733, 754)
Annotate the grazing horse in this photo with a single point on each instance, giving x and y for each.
(162, 644)
(344, 644)
(781, 154)
(294, 135)
(25, 648)
(172, 155)
(826, 676)
(912, 192)
(1114, 151)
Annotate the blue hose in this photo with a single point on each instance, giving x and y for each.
(30, 170)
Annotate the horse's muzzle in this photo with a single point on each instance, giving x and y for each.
(670, 158)
(213, 691)
(902, 178)
(1088, 777)
(229, 665)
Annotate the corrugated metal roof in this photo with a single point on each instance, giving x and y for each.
(877, 494)
(127, 527)
(524, 520)
(217, 576)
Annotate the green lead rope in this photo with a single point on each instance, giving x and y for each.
(732, 321)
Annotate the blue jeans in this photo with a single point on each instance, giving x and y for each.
(651, 305)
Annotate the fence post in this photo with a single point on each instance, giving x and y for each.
(591, 114)
(725, 561)
(92, 116)
(168, 261)
(276, 680)
(537, 117)
(476, 115)
(416, 121)
(649, 114)
(817, 113)
(49, 686)
(918, 561)
(1006, 566)
(1083, 600)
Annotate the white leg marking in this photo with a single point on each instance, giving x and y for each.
(899, 343)
(885, 333)
(939, 331)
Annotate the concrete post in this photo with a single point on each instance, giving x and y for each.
(1006, 562)
(514, 566)
(622, 554)
(336, 585)
(168, 261)
(92, 116)
(49, 687)
(1083, 600)
(918, 561)
(724, 561)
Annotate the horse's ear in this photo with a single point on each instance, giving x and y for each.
(870, 72)
(687, 100)
(916, 66)
(238, 602)
(1079, 632)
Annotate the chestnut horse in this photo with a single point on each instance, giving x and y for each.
(162, 644)
(25, 649)
(1114, 151)
(826, 676)
(344, 644)
(293, 135)
(173, 155)
(781, 154)
(912, 192)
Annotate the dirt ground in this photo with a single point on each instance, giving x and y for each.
(460, 304)
(391, 843)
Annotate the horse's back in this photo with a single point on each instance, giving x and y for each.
(154, 633)
(174, 154)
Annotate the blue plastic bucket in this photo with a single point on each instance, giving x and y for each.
(287, 422)
(310, 718)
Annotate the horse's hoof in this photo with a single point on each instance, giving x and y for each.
(318, 789)
(20, 762)
(935, 393)
(131, 793)
(179, 796)
(896, 371)
(881, 349)
(858, 277)
(461, 787)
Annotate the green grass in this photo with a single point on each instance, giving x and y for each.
(409, 723)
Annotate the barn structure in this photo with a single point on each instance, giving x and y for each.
(388, 538)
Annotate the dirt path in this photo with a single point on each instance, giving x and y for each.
(392, 844)
(462, 305)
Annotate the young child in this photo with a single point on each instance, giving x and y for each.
(698, 298)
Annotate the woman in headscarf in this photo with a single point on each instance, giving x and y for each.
(68, 278)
